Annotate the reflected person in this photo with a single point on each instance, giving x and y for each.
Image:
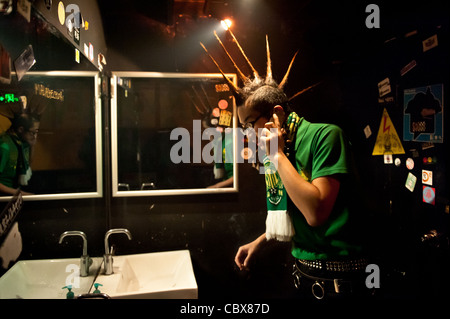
(223, 171)
(16, 146)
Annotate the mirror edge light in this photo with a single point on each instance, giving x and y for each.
(114, 134)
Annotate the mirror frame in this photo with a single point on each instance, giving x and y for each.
(114, 148)
(98, 138)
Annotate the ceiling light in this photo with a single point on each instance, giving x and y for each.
(226, 23)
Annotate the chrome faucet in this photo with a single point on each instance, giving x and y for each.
(85, 261)
(107, 257)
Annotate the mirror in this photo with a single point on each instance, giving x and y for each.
(172, 134)
(66, 159)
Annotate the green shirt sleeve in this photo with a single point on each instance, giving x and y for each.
(329, 149)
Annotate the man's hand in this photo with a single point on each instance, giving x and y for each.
(272, 135)
(246, 252)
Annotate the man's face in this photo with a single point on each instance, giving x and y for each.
(29, 136)
(250, 118)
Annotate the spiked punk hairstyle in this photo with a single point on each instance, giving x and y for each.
(251, 85)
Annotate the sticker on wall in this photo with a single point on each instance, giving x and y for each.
(225, 118)
(427, 145)
(388, 159)
(427, 177)
(61, 13)
(397, 162)
(408, 67)
(86, 49)
(222, 87)
(76, 35)
(77, 56)
(24, 62)
(223, 104)
(387, 141)
(69, 28)
(410, 163)
(367, 131)
(91, 52)
(411, 33)
(216, 112)
(430, 43)
(429, 195)
(387, 100)
(101, 62)
(423, 114)
(384, 87)
(411, 182)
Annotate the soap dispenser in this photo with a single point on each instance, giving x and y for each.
(97, 291)
(70, 294)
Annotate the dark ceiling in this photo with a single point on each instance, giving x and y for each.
(163, 35)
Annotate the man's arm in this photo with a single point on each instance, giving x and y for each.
(315, 200)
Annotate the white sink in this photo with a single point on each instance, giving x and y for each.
(161, 275)
(45, 278)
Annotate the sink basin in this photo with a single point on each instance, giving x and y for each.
(44, 279)
(160, 275)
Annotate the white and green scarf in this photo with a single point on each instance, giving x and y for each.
(278, 223)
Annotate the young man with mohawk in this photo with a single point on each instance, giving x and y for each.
(310, 181)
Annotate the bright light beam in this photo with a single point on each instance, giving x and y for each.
(226, 24)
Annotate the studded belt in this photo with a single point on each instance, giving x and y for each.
(338, 266)
(330, 277)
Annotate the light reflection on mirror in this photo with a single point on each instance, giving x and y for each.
(65, 160)
(158, 125)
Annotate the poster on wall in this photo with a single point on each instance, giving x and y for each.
(423, 114)
(387, 142)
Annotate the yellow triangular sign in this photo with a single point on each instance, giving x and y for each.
(387, 141)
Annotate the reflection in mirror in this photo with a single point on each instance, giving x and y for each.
(172, 134)
(50, 141)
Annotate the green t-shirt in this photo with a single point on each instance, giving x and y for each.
(322, 150)
(9, 160)
(227, 156)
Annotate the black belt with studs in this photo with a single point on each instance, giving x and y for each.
(337, 266)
